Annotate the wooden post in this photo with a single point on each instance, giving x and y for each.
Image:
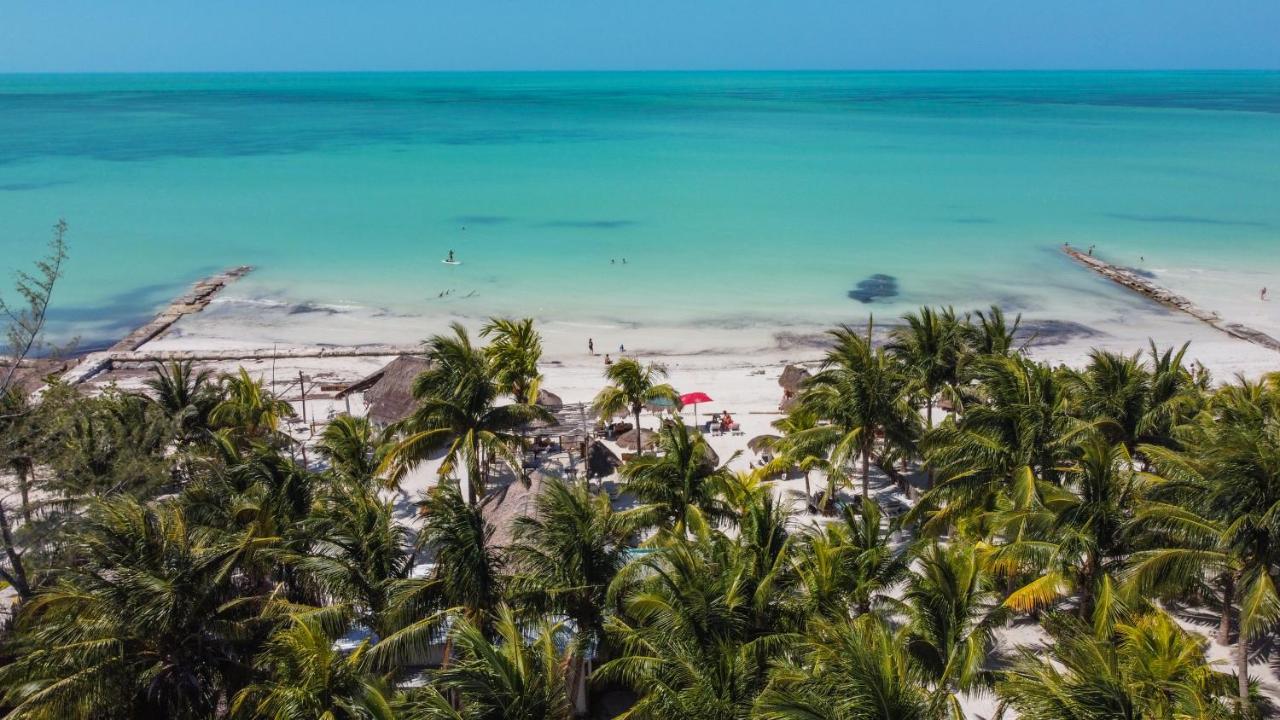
(303, 387)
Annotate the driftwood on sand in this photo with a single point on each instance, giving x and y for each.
(1133, 281)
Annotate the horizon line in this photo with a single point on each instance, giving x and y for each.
(581, 71)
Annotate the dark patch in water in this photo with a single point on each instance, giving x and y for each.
(1184, 220)
(308, 308)
(875, 287)
(591, 224)
(481, 219)
(1052, 332)
(787, 340)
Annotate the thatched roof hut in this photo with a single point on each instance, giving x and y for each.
(762, 443)
(630, 441)
(601, 461)
(549, 400)
(793, 376)
(501, 508)
(791, 380)
(388, 392)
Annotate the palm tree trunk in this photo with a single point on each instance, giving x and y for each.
(808, 493)
(639, 443)
(866, 474)
(1228, 601)
(1242, 667)
(473, 473)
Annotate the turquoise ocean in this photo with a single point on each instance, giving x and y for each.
(736, 199)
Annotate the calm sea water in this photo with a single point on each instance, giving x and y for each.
(735, 198)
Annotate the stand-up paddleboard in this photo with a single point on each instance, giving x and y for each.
(451, 262)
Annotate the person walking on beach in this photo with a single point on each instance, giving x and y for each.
(591, 346)
(1263, 294)
(622, 348)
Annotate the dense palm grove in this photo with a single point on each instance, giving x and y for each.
(175, 555)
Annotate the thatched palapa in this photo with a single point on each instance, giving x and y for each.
(601, 461)
(388, 392)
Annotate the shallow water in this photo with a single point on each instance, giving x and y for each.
(748, 200)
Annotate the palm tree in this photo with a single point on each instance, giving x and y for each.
(1224, 528)
(992, 334)
(683, 478)
(359, 552)
(1150, 668)
(952, 610)
(1022, 425)
(864, 394)
(466, 579)
(1112, 390)
(846, 565)
(514, 352)
(520, 676)
(1072, 537)
(568, 551)
(353, 448)
(931, 348)
(566, 554)
(802, 448)
(849, 670)
(1175, 396)
(631, 387)
(149, 622)
(185, 396)
(457, 412)
(248, 407)
(697, 631)
(306, 677)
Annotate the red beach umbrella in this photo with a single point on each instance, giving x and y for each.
(693, 399)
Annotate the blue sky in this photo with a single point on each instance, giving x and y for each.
(237, 35)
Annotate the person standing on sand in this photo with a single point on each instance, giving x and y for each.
(622, 348)
(591, 346)
(1263, 295)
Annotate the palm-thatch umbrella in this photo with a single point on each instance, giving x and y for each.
(501, 508)
(761, 443)
(710, 459)
(793, 376)
(629, 440)
(549, 400)
(601, 461)
(792, 380)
